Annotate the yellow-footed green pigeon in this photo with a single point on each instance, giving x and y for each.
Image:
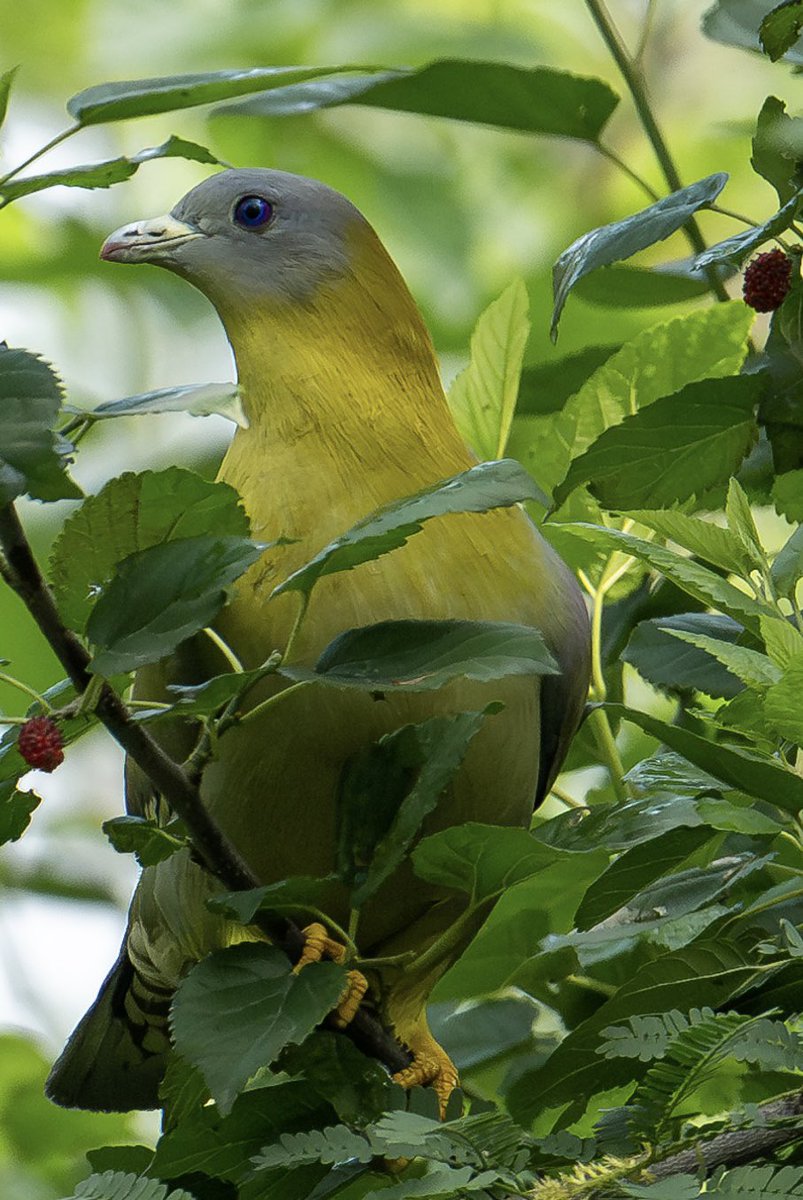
(346, 413)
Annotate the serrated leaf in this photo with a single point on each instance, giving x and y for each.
(782, 639)
(782, 702)
(486, 486)
(160, 596)
(533, 100)
(754, 669)
(32, 456)
(482, 397)
(707, 972)
(482, 860)
(621, 239)
(545, 387)
(144, 97)
(781, 28)
(199, 400)
(742, 525)
(388, 789)
(238, 1008)
(678, 447)
(657, 362)
(787, 494)
(690, 576)
(652, 649)
(787, 568)
(702, 538)
(416, 656)
(144, 838)
(298, 894)
(758, 775)
(131, 513)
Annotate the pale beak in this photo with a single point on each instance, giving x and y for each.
(148, 241)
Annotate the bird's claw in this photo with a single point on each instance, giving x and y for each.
(319, 945)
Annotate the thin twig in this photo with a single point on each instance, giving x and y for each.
(217, 853)
(739, 1146)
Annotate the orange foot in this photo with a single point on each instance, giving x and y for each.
(318, 945)
(431, 1067)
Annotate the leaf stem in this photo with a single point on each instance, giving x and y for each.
(225, 649)
(23, 687)
(273, 700)
(633, 77)
(51, 145)
(302, 612)
(640, 182)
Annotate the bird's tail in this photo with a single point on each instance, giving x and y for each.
(116, 1056)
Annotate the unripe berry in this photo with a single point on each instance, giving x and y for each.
(40, 743)
(767, 281)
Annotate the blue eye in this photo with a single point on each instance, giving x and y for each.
(252, 212)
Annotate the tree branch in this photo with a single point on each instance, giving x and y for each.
(740, 1146)
(217, 853)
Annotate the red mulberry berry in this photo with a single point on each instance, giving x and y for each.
(767, 281)
(40, 743)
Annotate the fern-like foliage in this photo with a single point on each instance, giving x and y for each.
(694, 1054)
(765, 1182)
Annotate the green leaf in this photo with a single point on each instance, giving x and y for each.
(729, 818)
(657, 362)
(534, 100)
(131, 513)
(621, 239)
(482, 860)
(297, 895)
(144, 97)
(760, 776)
(676, 448)
(781, 28)
(751, 666)
(488, 485)
(702, 538)
(482, 397)
(634, 870)
(6, 80)
(690, 576)
(199, 400)
(388, 789)
(104, 174)
(15, 810)
(783, 641)
(787, 494)
(742, 525)
(707, 972)
(417, 656)
(736, 248)
(203, 699)
(787, 568)
(335, 1144)
(774, 156)
(31, 454)
(782, 702)
(238, 1009)
(162, 595)
(545, 387)
(118, 1185)
(144, 838)
(654, 652)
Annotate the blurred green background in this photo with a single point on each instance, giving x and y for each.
(461, 208)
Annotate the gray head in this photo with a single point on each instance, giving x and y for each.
(246, 234)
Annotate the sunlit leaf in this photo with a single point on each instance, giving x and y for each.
(199, 400)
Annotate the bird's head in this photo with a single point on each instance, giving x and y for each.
(246, 236)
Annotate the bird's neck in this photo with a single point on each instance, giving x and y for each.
(343, 398)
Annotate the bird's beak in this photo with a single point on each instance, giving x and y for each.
(148, 241)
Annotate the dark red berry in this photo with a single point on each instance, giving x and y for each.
(767, 281)
(40, 743)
